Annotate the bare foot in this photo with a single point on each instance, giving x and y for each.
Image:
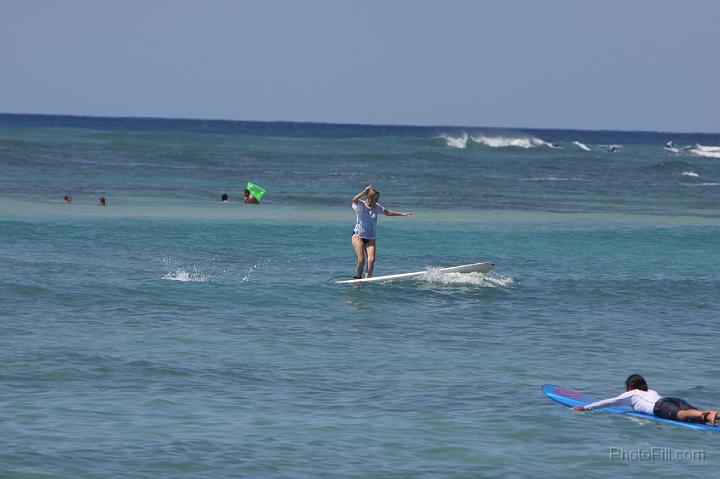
(712, 417)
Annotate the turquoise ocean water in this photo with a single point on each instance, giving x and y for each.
(169, 335)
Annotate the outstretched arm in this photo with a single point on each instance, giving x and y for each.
(622, 400)
(396, 213)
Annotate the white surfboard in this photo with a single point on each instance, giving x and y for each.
(465, 268)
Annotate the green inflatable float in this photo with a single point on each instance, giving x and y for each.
(255, 190)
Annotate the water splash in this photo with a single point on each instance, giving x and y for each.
(177, 271)
(252, 269)
(489, 280)
(186, 276)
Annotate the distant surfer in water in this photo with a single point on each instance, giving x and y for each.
(363, 238)
(641, 399)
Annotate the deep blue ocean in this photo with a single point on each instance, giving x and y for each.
(169, 335)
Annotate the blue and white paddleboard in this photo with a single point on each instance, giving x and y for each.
(570, 398)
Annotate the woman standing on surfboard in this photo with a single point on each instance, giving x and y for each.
(363, 238)
(641, 399)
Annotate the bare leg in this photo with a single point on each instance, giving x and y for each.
(360, 252)
(696, 415)
(691, 415)
(370, 248)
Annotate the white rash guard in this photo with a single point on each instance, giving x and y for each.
(640, 401)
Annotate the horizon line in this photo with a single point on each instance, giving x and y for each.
(393, 125)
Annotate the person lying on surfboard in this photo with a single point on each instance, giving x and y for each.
(363, 238)
(641, 399)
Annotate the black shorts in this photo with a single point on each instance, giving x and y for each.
(364, 240)
(667, 408)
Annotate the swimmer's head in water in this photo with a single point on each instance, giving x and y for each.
(224, 197)
(635, 381)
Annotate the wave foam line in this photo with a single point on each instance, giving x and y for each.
(525, 142)
(706, 151)
(505, 141)
(490, 280)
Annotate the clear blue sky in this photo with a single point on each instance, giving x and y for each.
(649, 65)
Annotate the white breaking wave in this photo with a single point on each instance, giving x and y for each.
(505, 141)
(490, 280)
(526, 142)
(459, 142)
(582, 146)
(182, 275)
(706, 151)
(700, 184)
(690, 173)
